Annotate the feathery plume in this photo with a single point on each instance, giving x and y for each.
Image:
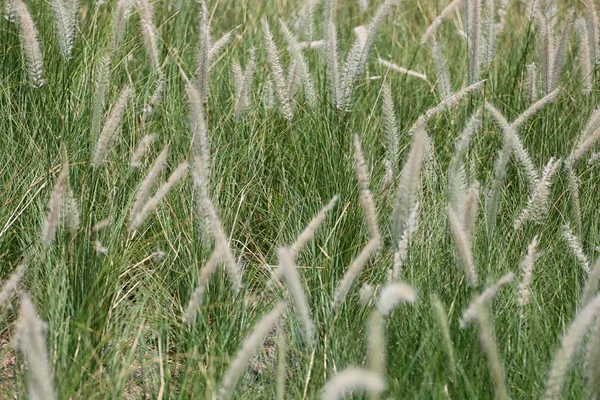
(570, 342)
(366, 198)
(350, 379)
(65, 18)
(363, 5)
(199, 128)
(143, 193)
(474, 38)
(121, 14)
(28, 35)
(456, 178)
(442, 322)
(290, 273)
(594, 159)
(560, 52)
(152, 203)
(591, 284)
(591, 363)
(394, 293)
(463, 246)
(54, 205)
(248, 349)
(218, 47)
(281, 364)
(408, 190)
(99, 98)
(537, 206)
(441, 69)
(206, 207)
(527, 268)
(390, 125)
(301, 63)
(315, 44)
(593, 30)
(535, 107)
(356, 60)
(243, 86)
(110, 127)
(403, 243)
(588, 137)
(145, 10)
(155, 98)
(489, 34)
(203, 61)
(206, 273)
(307, 19)
(353, 271)
(277, 74)
(29, 340)
(546, 45)
(99, 248)
(365, 294)
(584, 55)
(101, 225)
(484, 299)
(376, 346)
(294, 79)
(573, 185)
(431, 29)
(71, 212)
(11, 284)
(140, 150)
(308, 232)
(471, 208)
(397, 68)
(531, 83)
(576, 247)
(332, 52)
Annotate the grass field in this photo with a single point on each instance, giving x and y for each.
(113, 300)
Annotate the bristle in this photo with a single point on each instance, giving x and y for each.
(28, 35)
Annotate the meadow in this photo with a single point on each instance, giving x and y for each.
(278, 199)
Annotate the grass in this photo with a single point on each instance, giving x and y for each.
(114, 321)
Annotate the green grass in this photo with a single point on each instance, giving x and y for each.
(114, 322)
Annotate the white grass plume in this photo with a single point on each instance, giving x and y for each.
(102, 224)
(356, 60)
(593, 30)
(199, 128)
(488, 35)
(249, 347)
(351, 379)
(393, 294)
(308, 232)
(531, 83)
(569, 345)
(393, 67)
(206, 273)
(28, 36)
(315, 44)
(281, 364)
(584, 55)
(54, 206)
(474, 38)
(302, 64)
(431, 29)
(470, 314)
(29, 340)
(203, 60)
(290, 273)
(353, 271)
(463, 246)
(471, 208)
(140, 150)
(65, 18)
(206, 207)
(277, 73)
(403, 243)
(441, 70)
(366, 198)
(152, 203)
(576, 247)
(143, 193)
(390, 124)
(307, 16)
(456, 178)
(110, 127)
(408, 189)
(121, 14)
(537, 206)
(243, 86)
(11, 284)
(101, 79)
(527, 268)
(155, 98)
(546, 46)
(589, 136)
(149, 33)
(218, 47)
(535, 107)
(376, 345)
(71, 212)
(560, 52)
